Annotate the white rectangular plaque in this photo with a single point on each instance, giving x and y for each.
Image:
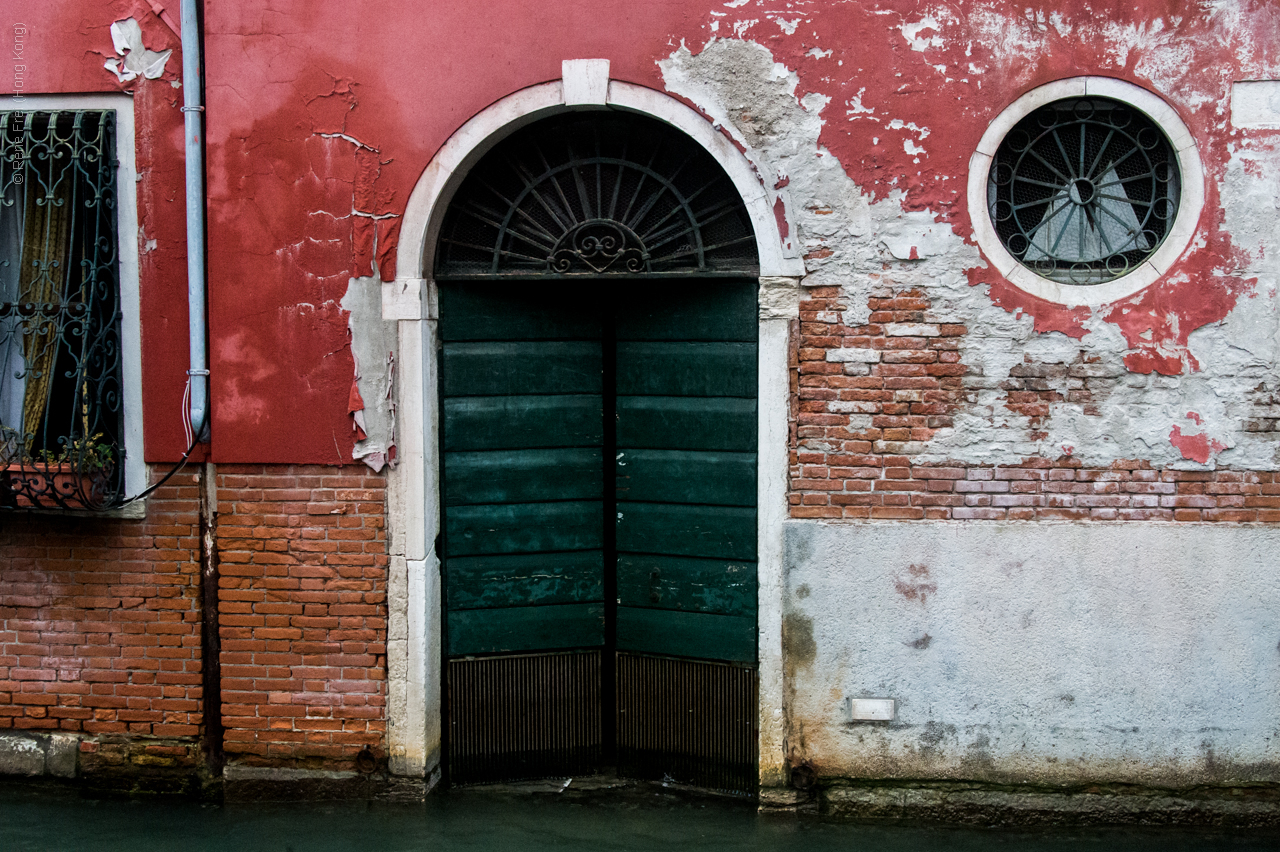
(872, 709)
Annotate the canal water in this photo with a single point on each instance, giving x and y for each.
(50, 820)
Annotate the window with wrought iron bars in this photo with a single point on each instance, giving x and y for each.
(62, 437)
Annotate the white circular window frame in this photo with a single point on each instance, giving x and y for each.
(1190, 203)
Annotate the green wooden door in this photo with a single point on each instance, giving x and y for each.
(686, 471)
(546, 386)
(522, 463)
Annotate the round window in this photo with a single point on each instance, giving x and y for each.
(1083, 190)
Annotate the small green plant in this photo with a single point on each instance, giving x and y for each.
(90, 455)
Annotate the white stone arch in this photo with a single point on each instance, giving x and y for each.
(414, 641)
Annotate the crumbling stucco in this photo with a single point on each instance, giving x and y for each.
(1137, 384)
(373, 348)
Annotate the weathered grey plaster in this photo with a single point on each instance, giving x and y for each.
(30, 754)
(874, 248)
(373, 347)
(1042, 652)
(21, 756)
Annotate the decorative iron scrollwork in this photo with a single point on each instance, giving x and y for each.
(596, 194)
(61, 412)
(599, 245)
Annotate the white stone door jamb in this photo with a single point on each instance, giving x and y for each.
(414, 642)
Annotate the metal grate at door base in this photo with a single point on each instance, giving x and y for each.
(689, 722)
(522, 717)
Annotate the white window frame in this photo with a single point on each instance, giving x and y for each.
(135, 472)
(1190, 203)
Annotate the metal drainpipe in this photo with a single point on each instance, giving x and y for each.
(192, 94)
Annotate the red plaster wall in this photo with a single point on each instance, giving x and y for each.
(322, 116)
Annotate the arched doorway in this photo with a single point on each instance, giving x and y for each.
(597, 279)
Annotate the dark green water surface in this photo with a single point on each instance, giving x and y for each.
(48, 820)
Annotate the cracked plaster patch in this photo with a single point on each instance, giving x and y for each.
(373, 348)
(138, 61)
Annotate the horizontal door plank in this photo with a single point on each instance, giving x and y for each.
(687, 634)
(679, 368)
(686, 423)
(525, 628)
(494, 368)
(485, 582)
(524, 528)
(515, 422)
(522, 476)
(520, 310)
(691, 585)
(686, 476)
(715, 532)
(684, 310)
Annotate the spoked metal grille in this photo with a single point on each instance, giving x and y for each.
(596, 195)
(61, 415)
(1083, 190)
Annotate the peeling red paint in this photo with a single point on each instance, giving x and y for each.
(780, 213)
(1046, 315)
(1199, 448)
(355, 405)
(1157, 322)
(977, 60)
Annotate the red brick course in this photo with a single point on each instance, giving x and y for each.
(868, 398)
(100, 620)
(302, 612)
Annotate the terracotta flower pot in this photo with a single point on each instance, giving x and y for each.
(44, 481)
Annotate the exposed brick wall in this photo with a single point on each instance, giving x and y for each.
(100, 620)
(303, 565)
(868, 398)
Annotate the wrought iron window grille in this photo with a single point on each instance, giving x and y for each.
(61, 405)
(1083, 190)
(596, 194)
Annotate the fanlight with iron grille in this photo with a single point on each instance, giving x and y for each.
(596, 194)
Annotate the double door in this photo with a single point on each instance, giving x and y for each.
(599, 549)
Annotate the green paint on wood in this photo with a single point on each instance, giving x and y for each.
(525, 628)
(520, 310)
(522, 430)
(522, 476)
(687, 423)
(496, 368)
(524, 528)
(715, 532)
(690, 585)
(687, 634)
(679, 310)
(513, 422)
(677, 368)
(481, 582)
(684, 476)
